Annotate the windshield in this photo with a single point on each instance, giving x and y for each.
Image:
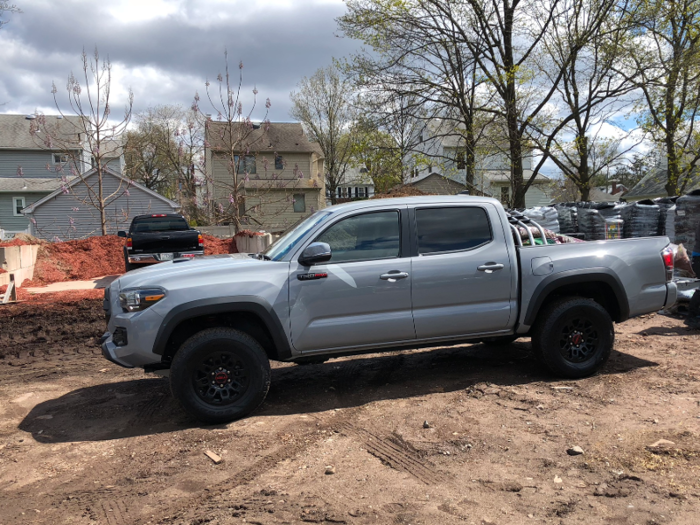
(281, 247)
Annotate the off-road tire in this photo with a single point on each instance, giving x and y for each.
(219, 375)
(499, 341)
(556, 342)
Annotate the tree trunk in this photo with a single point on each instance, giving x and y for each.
(470, 159)
(583, 172)
(101, 201)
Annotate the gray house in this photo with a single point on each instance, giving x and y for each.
(31, 167)
(71, 211)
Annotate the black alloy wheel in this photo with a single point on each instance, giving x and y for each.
(219, 375)
(573, 337)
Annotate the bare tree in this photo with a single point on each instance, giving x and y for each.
(164, 151)
(6, 7)
(418, 69)
(582, 51)
(324, 106)
(666, 53)
(93, 138)
(240, 196)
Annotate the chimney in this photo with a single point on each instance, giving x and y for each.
(614, 187)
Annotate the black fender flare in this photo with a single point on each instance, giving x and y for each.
(592, 275)
(220, 305)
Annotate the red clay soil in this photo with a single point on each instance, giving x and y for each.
(67, 296)
(215, 246)
(92, 257)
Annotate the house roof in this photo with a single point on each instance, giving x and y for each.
(280, 137)
(14, 131)
(29, 185)
(654, 184)
(76, 180)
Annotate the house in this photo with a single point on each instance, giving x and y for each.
(32, 166)
(279, 173)
(442, 152)
(68, 212)
(355, 184)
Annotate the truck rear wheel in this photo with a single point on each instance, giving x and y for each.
(220, 375)
(573, 337)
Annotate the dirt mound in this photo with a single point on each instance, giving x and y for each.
(22, 239)
(73, 321)
(215, 246)
(78, 260)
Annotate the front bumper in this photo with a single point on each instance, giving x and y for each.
(151, 258)
(108, 351)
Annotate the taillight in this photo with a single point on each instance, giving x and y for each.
(200, 240)
(667, 256)
(128, 242)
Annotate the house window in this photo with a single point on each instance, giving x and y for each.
(245, 164)
(279, 162)
(60, 158)
(505, 195)
(17, 206)
(299, 203)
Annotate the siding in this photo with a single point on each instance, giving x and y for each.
(534, 196)
(8, 221)
(33, 163)
(278, 209)
(53, 218)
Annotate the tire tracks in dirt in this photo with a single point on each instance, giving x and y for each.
(398, 457)
(176, 510)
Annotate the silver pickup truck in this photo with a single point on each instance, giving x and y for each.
(378, 275)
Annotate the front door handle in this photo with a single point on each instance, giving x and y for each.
(393, 276)
(490, 267)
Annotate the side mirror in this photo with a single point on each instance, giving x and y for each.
(315, 253)
(121, 233)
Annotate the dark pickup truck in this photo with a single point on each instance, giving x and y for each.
(159, 237)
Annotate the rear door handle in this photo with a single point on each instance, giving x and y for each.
(490, 267)
(393, 276)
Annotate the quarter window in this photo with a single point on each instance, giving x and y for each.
(364, 237)
(451, 229)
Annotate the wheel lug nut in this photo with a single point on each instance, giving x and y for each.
(213, 382)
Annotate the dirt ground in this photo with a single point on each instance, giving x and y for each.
(467, 434)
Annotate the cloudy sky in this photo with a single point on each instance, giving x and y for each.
(166, 49)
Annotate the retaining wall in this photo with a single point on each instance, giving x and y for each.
(19, 260)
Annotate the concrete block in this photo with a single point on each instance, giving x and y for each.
(26, 259)
(10, 258)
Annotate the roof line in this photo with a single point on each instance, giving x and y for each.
(30, 209)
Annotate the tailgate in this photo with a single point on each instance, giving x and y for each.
(165, 242)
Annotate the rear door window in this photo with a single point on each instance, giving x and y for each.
(451, 229)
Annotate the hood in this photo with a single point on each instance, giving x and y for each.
(173, 274)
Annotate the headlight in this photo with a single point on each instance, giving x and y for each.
(140, 299)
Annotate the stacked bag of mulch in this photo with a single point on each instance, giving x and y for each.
(641, 219)
(665, 205)
(592, 217)
(545, 216)
(687, 217)
(567, 217)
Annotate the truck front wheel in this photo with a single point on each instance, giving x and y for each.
(573, 337)
(220, 375)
